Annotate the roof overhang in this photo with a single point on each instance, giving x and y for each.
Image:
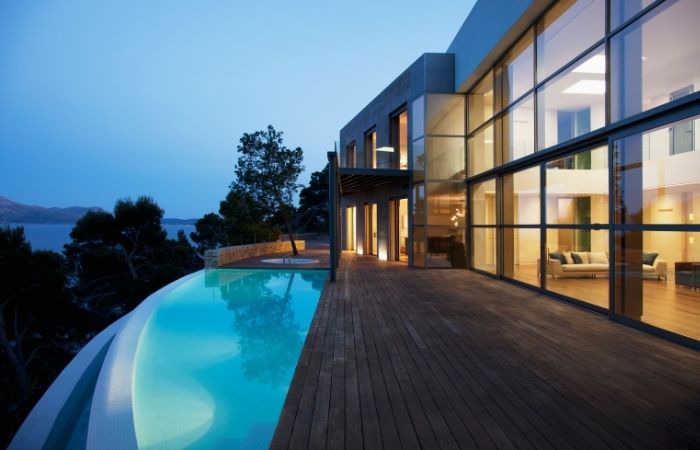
(355, 179)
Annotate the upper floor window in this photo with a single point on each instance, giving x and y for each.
(481, 102)
(371, 149)
(566, 30)
(399, 140)
(656, 59)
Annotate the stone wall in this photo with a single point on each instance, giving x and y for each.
(227, 255)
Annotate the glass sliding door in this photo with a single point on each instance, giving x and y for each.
(484, 230)
(657, 205)
(521, 230)
(577, 240)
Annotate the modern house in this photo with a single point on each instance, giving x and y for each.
(555, 145)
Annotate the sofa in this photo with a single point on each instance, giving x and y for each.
(591, 264)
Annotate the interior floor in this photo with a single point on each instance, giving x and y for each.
(666, 305)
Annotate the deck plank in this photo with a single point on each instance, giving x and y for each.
(408, 358)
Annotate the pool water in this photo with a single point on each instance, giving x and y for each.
(216, 357)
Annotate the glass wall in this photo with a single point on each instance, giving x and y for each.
(550, 224)
(481, 102)
(480, 151)
(399, 141)
(483, 217)
(442, 159)
(516, 74)
(519, 130)
(576, 210)
(656, 59)
(521, 209)
(573, 103)
(658, 187)
(567, 29)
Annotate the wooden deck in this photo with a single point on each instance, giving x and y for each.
(408, 358)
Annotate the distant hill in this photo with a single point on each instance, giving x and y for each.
(11, 212)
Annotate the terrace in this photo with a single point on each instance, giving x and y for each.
(398, 357)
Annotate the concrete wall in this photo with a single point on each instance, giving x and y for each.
(226, 255)
(432, 72)
(491, 27)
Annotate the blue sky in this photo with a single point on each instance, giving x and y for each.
(103, 100)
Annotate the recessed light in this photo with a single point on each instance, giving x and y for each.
(385, 149)
(595, 87)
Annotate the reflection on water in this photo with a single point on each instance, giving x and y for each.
(267, 330)
(216, 357)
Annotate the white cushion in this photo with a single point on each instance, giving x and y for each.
(598, 258)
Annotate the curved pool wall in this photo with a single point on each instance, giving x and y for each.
(94, 401)
(111, 423)
(55, 420)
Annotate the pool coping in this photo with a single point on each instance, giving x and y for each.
(111, 424)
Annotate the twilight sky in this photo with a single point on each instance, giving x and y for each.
(104, 100)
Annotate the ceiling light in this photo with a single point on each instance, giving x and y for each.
(488, 141)
(385, 149)
(594, 64)
(596, 87)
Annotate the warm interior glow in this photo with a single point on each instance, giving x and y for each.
(595, 87)
(594, 64)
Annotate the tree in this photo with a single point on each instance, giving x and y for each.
(313, 203)
(239, 220)
(120, 258)
(266, 173)
(35, 321)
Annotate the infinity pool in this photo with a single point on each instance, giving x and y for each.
(216, 357)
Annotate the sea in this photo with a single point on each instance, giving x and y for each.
(44, 236)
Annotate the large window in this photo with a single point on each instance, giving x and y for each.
(445, 158)
(573, 103)
(484, 231)
(521, 208)
(399, 141)
(656, 59)
(516, 72)
(480, 151)
(481, 102)
(568, 29)
(371, 149)
(519, 130)
(656, 204)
